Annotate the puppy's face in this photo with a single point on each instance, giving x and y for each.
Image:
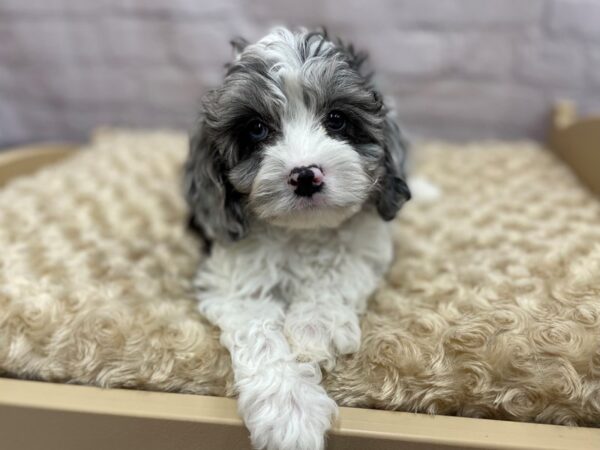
(295, 137)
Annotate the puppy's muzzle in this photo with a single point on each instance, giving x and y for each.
(307, 180)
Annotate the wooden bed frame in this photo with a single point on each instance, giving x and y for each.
(37, 415)
(577, 142)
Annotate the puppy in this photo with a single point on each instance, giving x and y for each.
(293, 170)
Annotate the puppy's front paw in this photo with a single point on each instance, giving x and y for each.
(286, 408)
(346, 337)
(320, 337)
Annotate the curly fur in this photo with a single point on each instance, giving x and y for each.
(492, 308)
(293, 264)
(290, 81)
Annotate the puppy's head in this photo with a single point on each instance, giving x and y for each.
(296, 136)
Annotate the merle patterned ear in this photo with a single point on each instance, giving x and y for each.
(215, 207)
(393, 190)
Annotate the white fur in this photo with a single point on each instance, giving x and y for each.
(288, 301)
(305, 142)
(287, 297)
(422, 189)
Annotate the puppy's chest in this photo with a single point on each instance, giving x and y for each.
(291, 264)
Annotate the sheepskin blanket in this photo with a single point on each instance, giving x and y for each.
(491, 309)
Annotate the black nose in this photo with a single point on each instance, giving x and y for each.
(306, 180)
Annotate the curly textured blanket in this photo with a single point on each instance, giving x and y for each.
(492, 308)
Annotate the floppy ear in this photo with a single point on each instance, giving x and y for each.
(393, 190)
(216, 208)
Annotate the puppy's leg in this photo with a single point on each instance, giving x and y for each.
(281, 401)
(319, 330)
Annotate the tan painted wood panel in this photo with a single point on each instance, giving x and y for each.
(77, 408)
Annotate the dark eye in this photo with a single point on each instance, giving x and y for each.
(257, 131)
(335, 121)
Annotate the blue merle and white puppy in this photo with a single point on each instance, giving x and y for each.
(294, 169)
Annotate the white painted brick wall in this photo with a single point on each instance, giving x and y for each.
(545, 62)
(458, 69)
(575, 18)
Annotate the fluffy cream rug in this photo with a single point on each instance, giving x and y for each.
(492, 308)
